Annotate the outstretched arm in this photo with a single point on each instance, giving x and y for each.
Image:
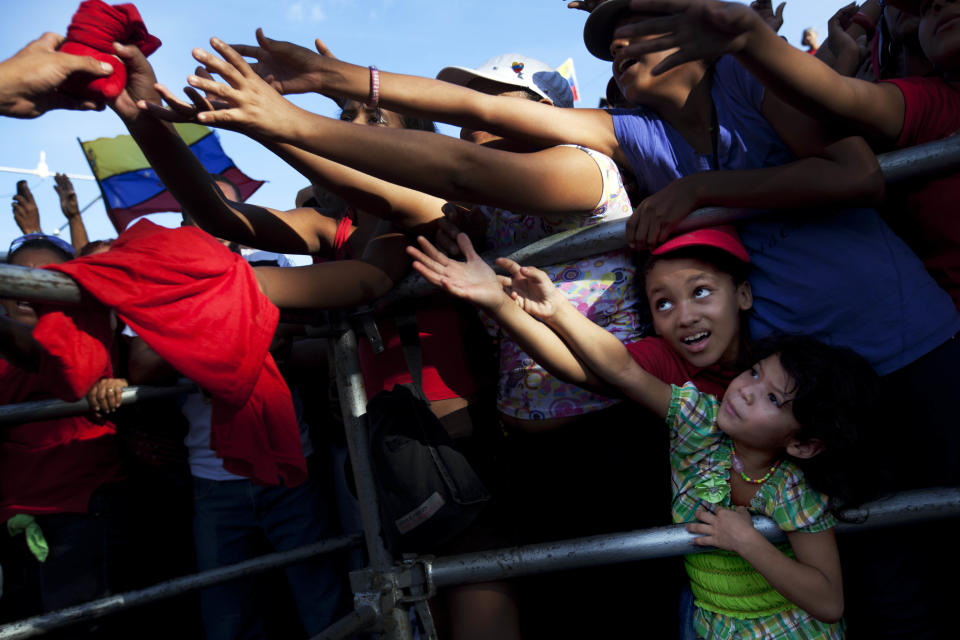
(559, 179)
(704, 29)
(408, 209)
(813, 581)
(296, 231)
(294, 69)
(339, 283)
(519, 311)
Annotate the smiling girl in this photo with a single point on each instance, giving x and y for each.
(781, 434)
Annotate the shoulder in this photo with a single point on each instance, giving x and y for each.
(931, 109)
(690, 406)
(793, 504)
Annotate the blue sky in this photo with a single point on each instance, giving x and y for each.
(414, 36)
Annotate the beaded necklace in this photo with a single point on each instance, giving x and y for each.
(737, 465)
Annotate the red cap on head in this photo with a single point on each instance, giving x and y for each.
(723, 237)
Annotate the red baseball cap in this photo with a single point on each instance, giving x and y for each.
(723, 237)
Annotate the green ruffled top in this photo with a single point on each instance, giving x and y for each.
(729, 593)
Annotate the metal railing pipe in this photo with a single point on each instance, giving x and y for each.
(353, 407)
(24, 283)
(41, 624)
(930, 158)
(48, 409)
(673, 540)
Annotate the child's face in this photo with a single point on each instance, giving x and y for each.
(696, 309)
(632, 74)
(756, 410)
(939, 33)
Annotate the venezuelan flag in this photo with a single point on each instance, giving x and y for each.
(131, 188)
(566, 70)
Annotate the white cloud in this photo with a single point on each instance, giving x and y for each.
(305, 11)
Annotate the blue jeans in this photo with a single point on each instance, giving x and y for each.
(231, 520)
(687, 630)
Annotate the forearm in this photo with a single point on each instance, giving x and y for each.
(608, 358)
(810, 85)
(329, 285)
(406, 208)
(547, 348)
(78, 233)
(538, 124)
(550, 181)
(804, 585)
(188, 181)
(805, 182)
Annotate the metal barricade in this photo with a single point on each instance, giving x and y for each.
(386, 589)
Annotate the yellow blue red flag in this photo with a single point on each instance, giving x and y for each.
(566, 70)
(132, 189)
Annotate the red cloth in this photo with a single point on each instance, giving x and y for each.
(199, 307)
(95, 27)
(923, 211)
(656, 357)
(54, 466)
(446, 373)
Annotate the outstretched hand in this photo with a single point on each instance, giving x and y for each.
(140, 82)
(531, 289)
(246, 103)
(30, 79)
(287, 67)
(698, 29)
(764, 9)
(473, 280)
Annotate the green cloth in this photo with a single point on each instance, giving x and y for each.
(27, 525)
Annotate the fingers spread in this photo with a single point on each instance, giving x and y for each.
(232, 57)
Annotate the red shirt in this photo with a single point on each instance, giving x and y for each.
(51, 466)
(924, 211)
(446, 372)
(656, 357)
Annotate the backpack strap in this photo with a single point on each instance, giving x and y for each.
(407, 329)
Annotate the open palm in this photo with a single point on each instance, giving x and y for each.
(287, 67)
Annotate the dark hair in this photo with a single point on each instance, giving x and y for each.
(835, 392)
(93, 246)
(40, 243)
(421, 124)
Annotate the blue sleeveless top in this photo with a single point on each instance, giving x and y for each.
(840, 275)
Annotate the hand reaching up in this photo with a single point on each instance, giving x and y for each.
(764, 9)
(532, 290)
(699, 29)
(140, 82)
(67, 195)
(246, 103)
(287, 67)
(473, 280)
(25, 212)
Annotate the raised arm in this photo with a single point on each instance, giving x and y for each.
(296, 231)
(294, 69)
(519, 314)
(71, 211)
(704, 29)
(408, 209)
(560, 179)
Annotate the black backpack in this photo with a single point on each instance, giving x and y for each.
(427, 490)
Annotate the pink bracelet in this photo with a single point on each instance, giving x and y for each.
(374, 99)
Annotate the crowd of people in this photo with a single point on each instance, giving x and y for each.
(792, 365)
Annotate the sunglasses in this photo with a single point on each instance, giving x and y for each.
(30, 237)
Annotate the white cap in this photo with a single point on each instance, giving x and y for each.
(516, 70)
